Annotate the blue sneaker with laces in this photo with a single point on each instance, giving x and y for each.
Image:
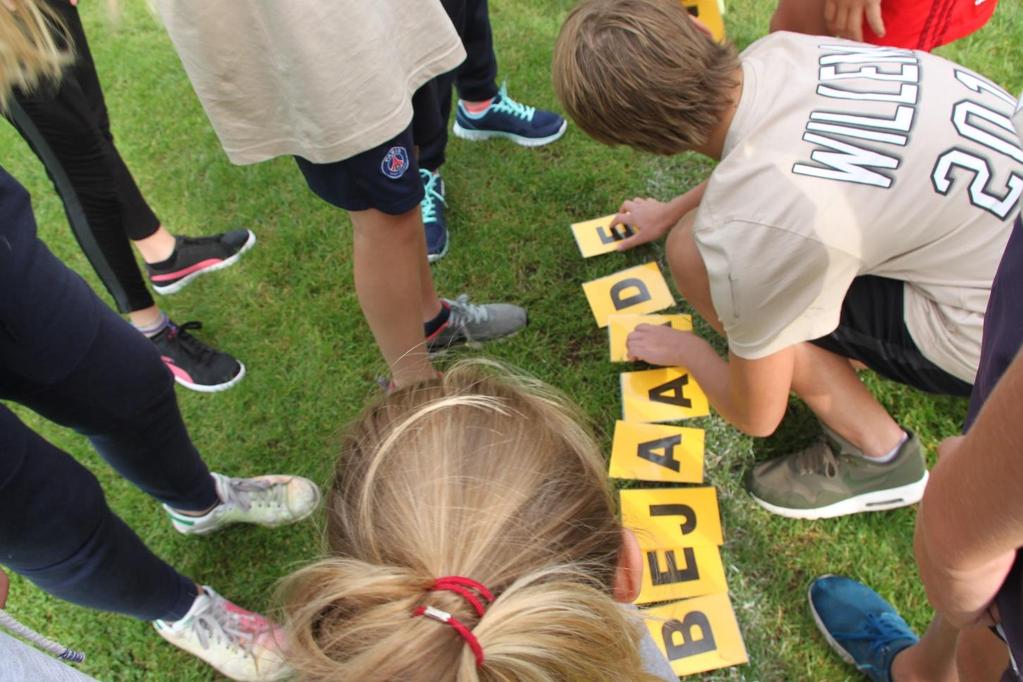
(432, 207)
(862, 628)
(524, 125)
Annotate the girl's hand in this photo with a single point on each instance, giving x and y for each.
(657, 344)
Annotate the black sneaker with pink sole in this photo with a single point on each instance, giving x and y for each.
(196, 256)
(194, 364)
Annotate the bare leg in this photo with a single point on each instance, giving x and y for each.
(800, 16)
(829, 386)
(389, 255)
(147, 317)
(826, 382)
(932, 659)
(981, 656)
(156, 247)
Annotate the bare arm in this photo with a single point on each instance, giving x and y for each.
(752, 395)
(971, 521)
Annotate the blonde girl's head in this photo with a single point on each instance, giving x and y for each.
(480, 475)
(31, 39)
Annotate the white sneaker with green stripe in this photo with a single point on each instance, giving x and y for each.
(263, 500)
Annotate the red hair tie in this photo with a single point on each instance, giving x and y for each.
(447, 618)
(473, 592)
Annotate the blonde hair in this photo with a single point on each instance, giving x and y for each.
(32, 46)
(476, 474)
(640, 73)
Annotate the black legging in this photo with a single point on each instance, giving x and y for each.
(475, 79)
(68, 128)
(72, 360)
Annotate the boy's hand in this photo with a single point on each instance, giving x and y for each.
(649, 219)
(656, 344)
(5, 585)
(844, 18)
(960, 594)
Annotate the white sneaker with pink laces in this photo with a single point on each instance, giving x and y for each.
(240, 644)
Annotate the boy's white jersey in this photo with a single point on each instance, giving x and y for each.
(321, 79)
(845, 159)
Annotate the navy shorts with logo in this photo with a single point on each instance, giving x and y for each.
(385, 177)
(872, 329)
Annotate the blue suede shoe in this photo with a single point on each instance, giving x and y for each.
(509, 119)
(859, 625)
(432, 207)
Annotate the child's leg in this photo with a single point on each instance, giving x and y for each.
(395, 288)
(57, 531)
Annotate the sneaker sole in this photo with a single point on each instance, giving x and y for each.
(215, 388)
(166, 290)
(881, 500)
(832, 642)
(480, 135)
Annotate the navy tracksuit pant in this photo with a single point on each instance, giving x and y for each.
(68, 357)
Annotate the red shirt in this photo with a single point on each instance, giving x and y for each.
(926, 24)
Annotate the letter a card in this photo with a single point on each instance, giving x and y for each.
(672, 517)
(596, 236)
(620, 326)
(697, 635)
(681, 572)
(656, 452)
(638, 290)
(662, 395)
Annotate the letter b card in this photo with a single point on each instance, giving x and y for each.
(697, 635)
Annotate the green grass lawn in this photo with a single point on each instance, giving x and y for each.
(289, 312)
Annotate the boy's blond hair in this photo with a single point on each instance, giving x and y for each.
(640, 73)
(481, 475)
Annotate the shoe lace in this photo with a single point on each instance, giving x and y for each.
(819, 458)
(431, 196)
(191, 345)
(504, 103)
(244, 492)
(879, 631)
(464, 313)
(216, 623)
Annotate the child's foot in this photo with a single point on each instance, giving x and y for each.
(432, 207)
(509, 119)
(194, 364)
(262, 500)
(195, 256)
(472, 323)
(240, 644)
(859, 625)
(833, 478)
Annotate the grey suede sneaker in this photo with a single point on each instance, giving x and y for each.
(472, 323)
(831, 478)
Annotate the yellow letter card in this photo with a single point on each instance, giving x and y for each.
(596, 237)
(656, 452)
(662, 395)
(672, 517)
(681, 572)
(641, 289)
(697, 635)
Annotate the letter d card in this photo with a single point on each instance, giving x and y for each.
(641, 289)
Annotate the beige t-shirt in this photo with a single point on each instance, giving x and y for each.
(845, 159)
(321, 79)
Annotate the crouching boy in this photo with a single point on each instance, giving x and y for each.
(862, 201)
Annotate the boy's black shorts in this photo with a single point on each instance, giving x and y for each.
(872, 329)
(385, 177)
